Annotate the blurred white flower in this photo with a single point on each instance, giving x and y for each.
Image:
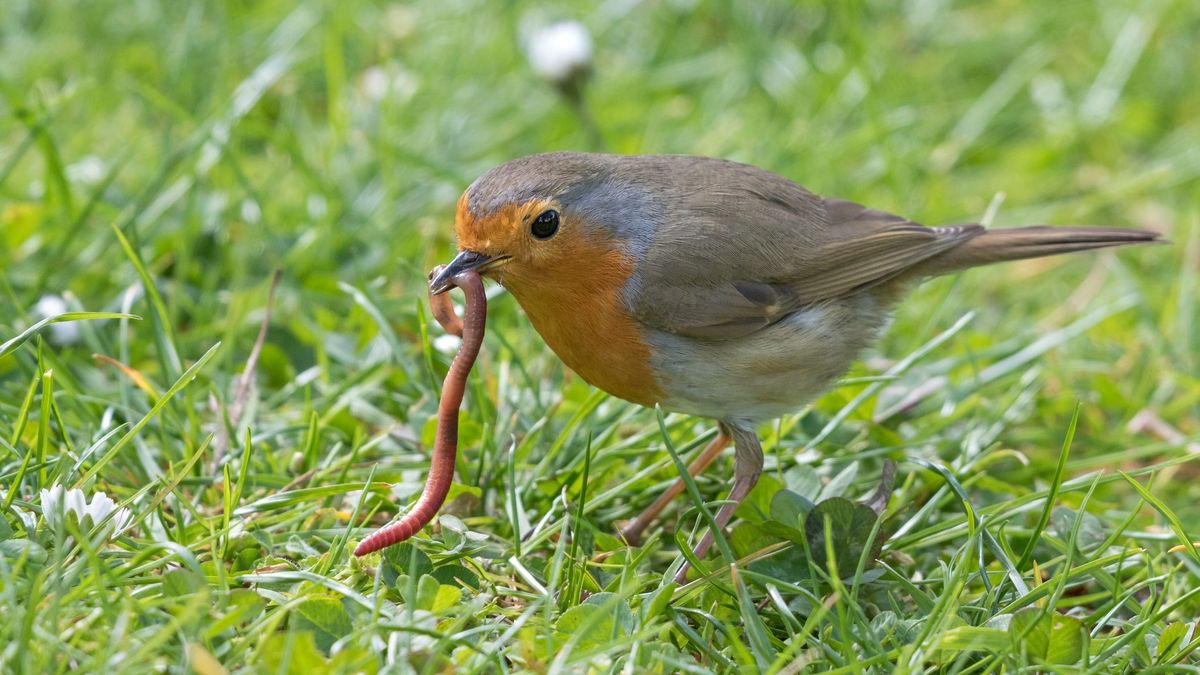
(251, 212)
(60, 333)
(236, 529)
(58, 504)
(420, 619)
(89, 170)
(560, 52)
(317, 206)
(446, 343)
(51, 305)
(374, 83)
(28, 518)
(378, 82)
(350, 500)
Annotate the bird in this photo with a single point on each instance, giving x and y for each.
(710, 287)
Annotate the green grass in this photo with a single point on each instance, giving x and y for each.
(162, 160)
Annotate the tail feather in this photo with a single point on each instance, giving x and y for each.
(992, 246)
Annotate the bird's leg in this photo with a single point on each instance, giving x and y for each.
(747, 467)
(633, 531)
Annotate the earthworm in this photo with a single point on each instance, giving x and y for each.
(443, 312)
(445, 445)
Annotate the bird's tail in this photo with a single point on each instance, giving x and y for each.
(999, 245)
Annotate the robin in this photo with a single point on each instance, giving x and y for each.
(709, 287)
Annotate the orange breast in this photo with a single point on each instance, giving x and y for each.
(576, 307)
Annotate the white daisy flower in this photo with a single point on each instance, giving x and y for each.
(60, 333)
(560, 52)
(101, 516)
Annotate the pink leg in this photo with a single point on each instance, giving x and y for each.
(634, 530)
(747, 467)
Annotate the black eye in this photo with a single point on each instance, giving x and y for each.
(546, 225)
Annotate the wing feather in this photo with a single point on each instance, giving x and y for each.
(759, 259)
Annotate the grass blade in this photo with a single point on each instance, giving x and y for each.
(11, 345)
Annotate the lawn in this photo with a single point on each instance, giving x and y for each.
(160, 162)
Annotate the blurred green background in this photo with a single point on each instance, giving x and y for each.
(330, 140)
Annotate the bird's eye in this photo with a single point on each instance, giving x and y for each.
(545, 225)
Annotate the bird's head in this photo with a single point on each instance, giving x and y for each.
(542, 220)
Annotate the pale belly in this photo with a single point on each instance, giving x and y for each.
(768, 374)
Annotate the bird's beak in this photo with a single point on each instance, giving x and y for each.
(440, 282)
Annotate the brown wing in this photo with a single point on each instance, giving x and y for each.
(748, 260)
(867, 248)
